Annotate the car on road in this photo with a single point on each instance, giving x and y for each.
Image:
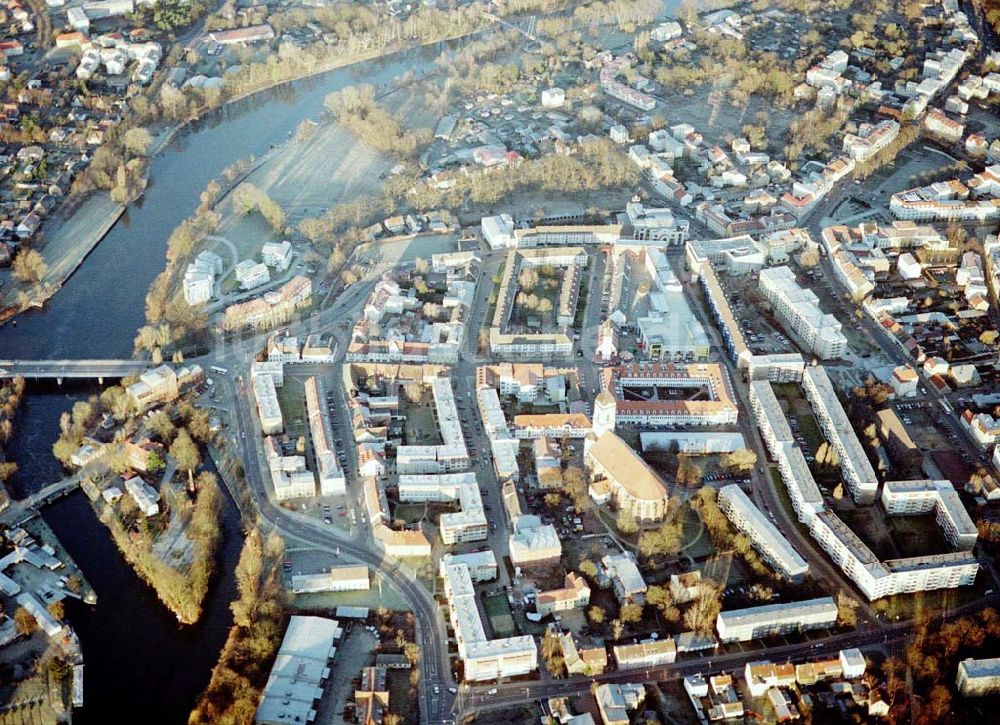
(452, 690)
(492, 691)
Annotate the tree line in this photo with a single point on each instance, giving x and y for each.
(233, 693)
(356, 109)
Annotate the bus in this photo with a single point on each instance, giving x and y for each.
(219, 371)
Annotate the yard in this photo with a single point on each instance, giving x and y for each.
(500, 617)
(420, 428)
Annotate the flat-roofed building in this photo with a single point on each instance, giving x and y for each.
(332, 481)
(784, 367)
(635, 487)
(774, 429)
(467, 524)
(858, 473)
(725, 321)
(451, 455)
(876, 578)
(482, 564)
(770, 418)
(909, 498)
(542, 345)
(251, 274)
(695, 642)
(977, 677)
(656, 224)
(503, 444)
(277, 254)
(799, 310)
(348, 578)
(268, 408)
(693, 442)
(764, 535)
(482, 658)
(734, 255)
(742, 625)
(299, 671)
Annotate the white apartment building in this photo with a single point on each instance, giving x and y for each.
(275, 370)
(498, 231)
(978, 677)
(774, 429)
(332, 481)
(858, 473)
(482, 658)
(799, 309)
(451, 455)
(743, 625)
(776, 368)
(764, 536)
(657, 225)
(624, 576)
(198, 286)
(468, 524)
(251, 274)
(549, 345)
(503, 445)
(873, 577)
(288, 473)
(146, 498)
(482, 564)
(877, 579)
(277, 255)
(268, 408)
(912, 498)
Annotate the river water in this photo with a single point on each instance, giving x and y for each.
(140, 664)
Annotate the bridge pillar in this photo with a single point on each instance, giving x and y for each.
(100, 381)
(59, 380)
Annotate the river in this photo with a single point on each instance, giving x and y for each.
(138, 659)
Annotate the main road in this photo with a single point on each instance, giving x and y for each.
(431, 634)
(435, 700)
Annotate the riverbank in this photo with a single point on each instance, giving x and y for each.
(75, 238)
(239, 676)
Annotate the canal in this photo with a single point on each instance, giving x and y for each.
(138, 659)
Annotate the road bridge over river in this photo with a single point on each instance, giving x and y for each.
(78, 369)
